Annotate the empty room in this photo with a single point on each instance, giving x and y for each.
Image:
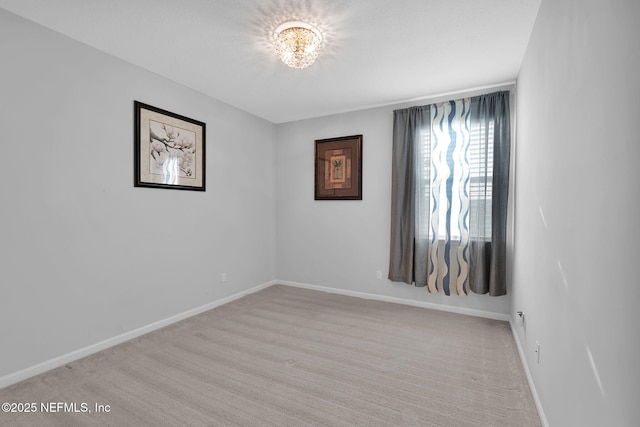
(323, 213)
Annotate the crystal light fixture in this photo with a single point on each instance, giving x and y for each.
(297, 43)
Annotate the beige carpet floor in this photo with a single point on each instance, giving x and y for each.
(292, 357)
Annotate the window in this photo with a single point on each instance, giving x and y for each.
(456, 167)
(449, 195)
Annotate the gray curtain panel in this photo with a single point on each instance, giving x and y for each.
(490, 116)
(407, 262)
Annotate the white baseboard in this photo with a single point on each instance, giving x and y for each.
(525, 365)
(423, 304)
(56, 362)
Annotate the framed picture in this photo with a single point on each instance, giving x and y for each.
(169, 150)
(338, 168)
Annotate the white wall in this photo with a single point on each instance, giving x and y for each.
(85, 256)
(341, 244)
(577, 211)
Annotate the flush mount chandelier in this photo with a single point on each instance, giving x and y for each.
(297, 43)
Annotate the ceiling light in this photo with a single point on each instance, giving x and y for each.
(297, 43)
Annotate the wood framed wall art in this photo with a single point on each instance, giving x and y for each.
(169, 150)
(338, 168)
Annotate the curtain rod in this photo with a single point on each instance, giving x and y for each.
(464, 93)
(431, 99)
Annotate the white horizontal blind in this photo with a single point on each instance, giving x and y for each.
(480, 181)
(477, 182)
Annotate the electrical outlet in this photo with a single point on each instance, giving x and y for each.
(537, 352)
(520, 318)
(379, 274)
(223, 277)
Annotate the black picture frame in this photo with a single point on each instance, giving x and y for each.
(338, 168)
(169, 150)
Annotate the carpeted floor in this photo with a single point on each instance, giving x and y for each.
(291, 357)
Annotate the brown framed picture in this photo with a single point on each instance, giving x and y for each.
(169, 150)
(338, 167)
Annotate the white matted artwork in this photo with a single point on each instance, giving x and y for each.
(169, 150)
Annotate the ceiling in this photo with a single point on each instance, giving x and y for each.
(377, 52)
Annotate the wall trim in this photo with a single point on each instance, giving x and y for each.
(56, 362)
(527, 371)
(423, 304)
